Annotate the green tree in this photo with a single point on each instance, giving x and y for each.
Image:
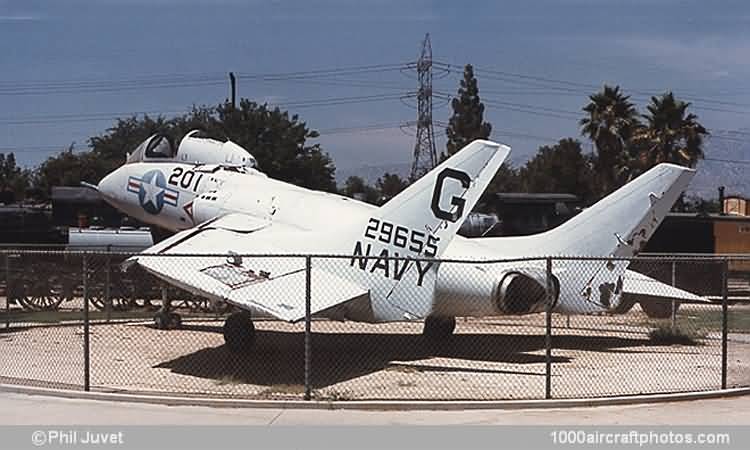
(279, 143)
(277, 140)
(563, 168)
(699, 205)
(69, 169)
(125, 135)
(14, 181)
(506, 179)
(467, 122)
(610, 122)
(356, 187)
(104, 154)
(353, 185)
(389, 185)
(671, 134)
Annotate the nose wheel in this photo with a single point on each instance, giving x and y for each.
(165, 318)
(239, 332)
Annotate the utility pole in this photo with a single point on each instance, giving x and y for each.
(425, 155)
(233, 86)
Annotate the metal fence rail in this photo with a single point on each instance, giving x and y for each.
(78, 321)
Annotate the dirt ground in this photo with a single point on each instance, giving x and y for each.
(493, 358)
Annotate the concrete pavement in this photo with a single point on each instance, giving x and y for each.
(22, 409)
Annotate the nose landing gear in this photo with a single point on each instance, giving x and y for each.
(165, 318)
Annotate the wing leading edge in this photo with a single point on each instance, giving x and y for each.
(206, 261)
(276, 286)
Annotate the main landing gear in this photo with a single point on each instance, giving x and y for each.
(239, 332)
(437, 328)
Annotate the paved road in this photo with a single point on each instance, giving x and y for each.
(20, 409)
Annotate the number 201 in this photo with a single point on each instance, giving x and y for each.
(184, 179)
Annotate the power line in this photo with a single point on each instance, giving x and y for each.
(346, 83)
(16, 88)
(344, 100)
(107, 116)
(726, 138)
(728, 161)
(567, 85)
(65, 118)
(527, 111)
(197, 77)
(44, 148)
(329, 72)
(110, 89)
(745, 133)
(365, 128)
(106, 81)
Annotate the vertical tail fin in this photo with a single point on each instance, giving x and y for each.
(439, 202)
(621, 223)
(618, 225)
(420, 222)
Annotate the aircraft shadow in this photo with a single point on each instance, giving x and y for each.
(277, 357)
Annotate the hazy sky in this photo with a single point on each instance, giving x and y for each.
(699, 49)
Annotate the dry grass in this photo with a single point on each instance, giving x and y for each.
(666, 335)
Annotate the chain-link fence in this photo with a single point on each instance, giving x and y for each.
(525, 329)
(654, 345)
(44, 318)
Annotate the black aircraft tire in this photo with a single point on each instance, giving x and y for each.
(658, 309)
(627, 301)
(239, 332)
(161, 321)
(438, 328)
(175, 321)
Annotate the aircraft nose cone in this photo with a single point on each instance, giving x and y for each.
(109, 187)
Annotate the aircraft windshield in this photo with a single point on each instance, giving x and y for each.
(157, 146)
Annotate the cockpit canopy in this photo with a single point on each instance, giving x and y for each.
(158, 147)
(195, 148)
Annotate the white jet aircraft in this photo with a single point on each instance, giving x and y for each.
(229, 210)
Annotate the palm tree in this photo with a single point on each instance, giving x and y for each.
(671, 133)
(610, 123)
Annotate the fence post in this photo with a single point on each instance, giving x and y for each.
(724, 321)
(86, 356)
(674, 302)
(7, 291)
(107, 288)
(548, 333)
(308, 332)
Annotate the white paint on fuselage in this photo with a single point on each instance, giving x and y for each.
(468, 289)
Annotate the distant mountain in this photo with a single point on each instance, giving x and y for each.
(371, 173)
(728, 146)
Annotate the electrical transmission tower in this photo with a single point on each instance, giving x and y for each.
(425, 156)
